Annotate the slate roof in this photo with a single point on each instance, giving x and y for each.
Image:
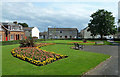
(9, 23)
(86, 28)
(28, 28)
(6, 24)
(43, 33)
(63, 29)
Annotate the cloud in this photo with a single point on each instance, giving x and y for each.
(60, 0)
(58, 14)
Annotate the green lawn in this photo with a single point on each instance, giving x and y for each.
(76, 63)
(117, 42)
(68, 42)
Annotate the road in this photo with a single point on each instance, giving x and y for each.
(109, 67)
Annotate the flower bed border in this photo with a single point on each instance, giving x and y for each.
(39, 63)
(83, 42)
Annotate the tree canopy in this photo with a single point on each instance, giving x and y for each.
(23, 24)
(102, 23)
(118, 29)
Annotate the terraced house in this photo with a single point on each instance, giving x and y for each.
(11, 31)
(62, 33)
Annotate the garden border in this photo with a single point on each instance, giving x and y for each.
(39, 63)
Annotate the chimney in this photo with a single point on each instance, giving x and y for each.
(15, 22)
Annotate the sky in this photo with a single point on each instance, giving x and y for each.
(54, 13)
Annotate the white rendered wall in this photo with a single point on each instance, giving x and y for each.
(1, 28)
(119, 12)
(35, 32)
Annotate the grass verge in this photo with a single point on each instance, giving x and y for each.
(69, 42)
(77, 62)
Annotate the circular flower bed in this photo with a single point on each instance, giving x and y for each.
(36, 56)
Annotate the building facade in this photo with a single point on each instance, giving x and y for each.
(43, 35)
(35, 32)
(11, 31)
(62, 33)
(87, 34)
(31, 32)
(28, 31)
(117, 35)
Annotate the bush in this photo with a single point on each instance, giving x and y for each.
(27, 43)
(9, 42)
(84, 40)
(38, 40)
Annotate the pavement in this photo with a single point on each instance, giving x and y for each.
(109, 67)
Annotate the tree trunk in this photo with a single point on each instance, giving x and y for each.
(101, 36)
(93, 37)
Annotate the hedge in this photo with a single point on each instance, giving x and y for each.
(9, 42)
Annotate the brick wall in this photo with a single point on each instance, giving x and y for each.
(3, 35)
(14, 33)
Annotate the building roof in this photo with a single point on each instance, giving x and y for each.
(63, 29)
(9, 23)
(43, 33)
(28, 28)
(5, 25)
(86, 28)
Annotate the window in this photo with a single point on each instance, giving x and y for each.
(12, 37)
(27, 31)
(75, 37)
(60, 31)
(60, 36)
(71, 32)
(55, 36)
(65, 36)
(0, 37)
(21, 37)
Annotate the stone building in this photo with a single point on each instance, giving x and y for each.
(28, 31)
(87, 34)
(43, 35)
(62, 33)
(11, 31)
(31, 32)
(117, 35)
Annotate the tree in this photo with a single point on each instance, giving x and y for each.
(102, 23)
(23, 24)
(118, 29)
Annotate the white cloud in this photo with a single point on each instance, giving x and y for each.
(52, 14)
(60, 0)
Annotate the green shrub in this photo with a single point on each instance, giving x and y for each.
(9, 42)
(27, 42)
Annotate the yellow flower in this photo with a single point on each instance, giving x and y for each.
(54, 58)
(57, 56)
(44, 62)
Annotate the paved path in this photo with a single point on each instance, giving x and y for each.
(110, 67)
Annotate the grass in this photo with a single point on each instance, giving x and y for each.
(107, 43)
(68, 42)
(117, 42)
(77, 62)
